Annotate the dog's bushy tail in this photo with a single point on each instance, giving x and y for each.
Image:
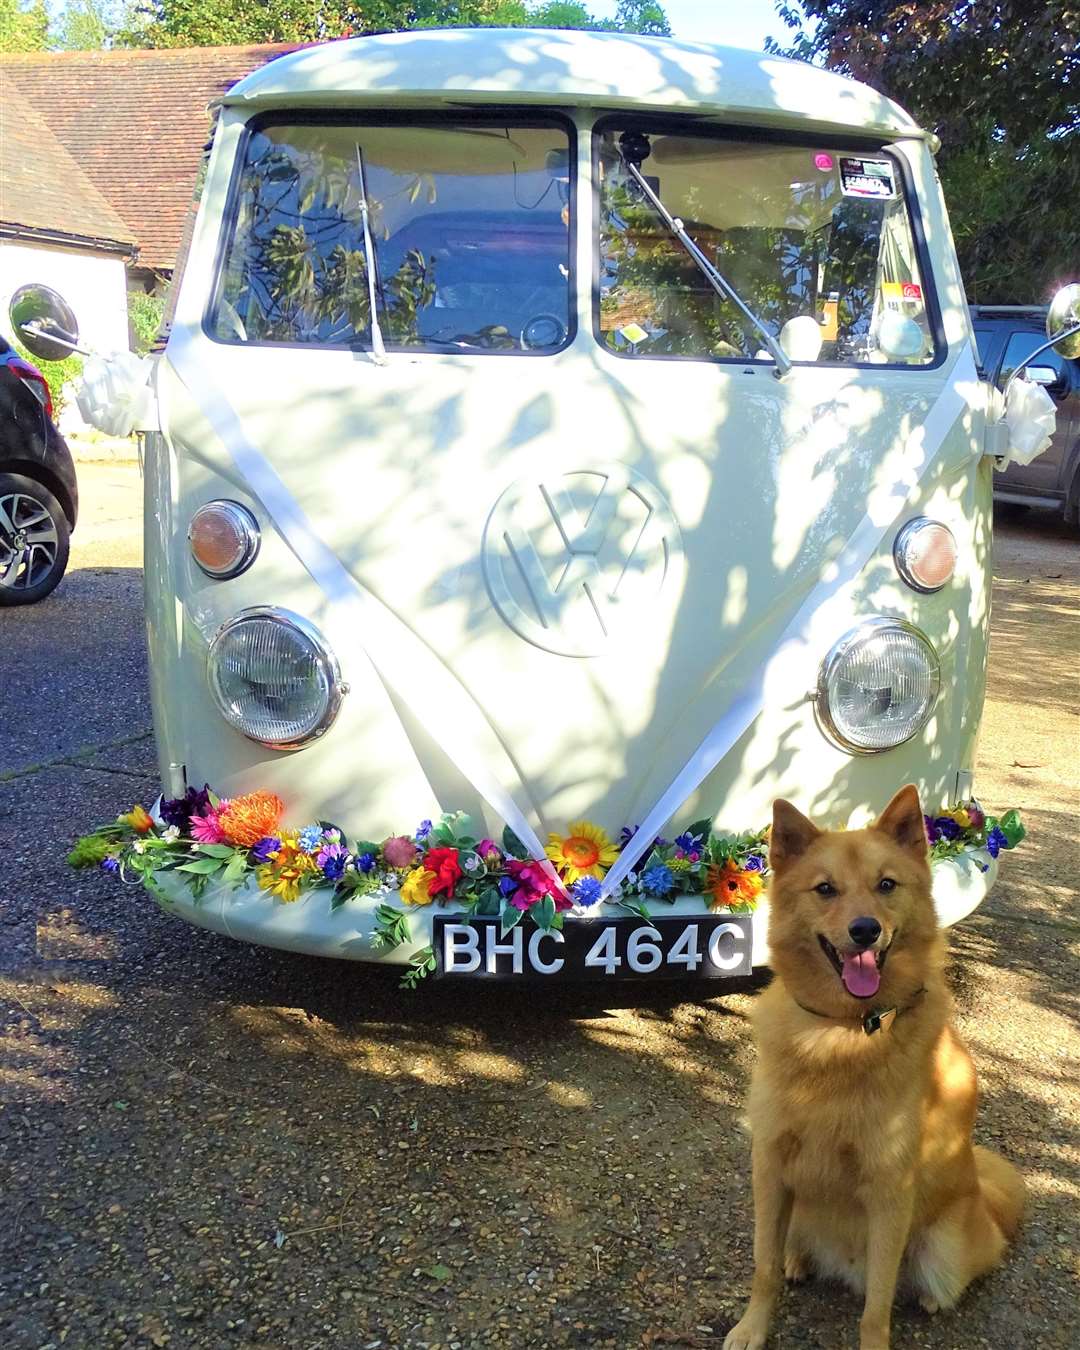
(1002, 1188)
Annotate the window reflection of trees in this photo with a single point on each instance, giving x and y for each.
(297, 270)
(805, 266)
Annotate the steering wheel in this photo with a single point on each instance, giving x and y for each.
(543, 330)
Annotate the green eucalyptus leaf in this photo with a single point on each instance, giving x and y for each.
(509, 917)
(544, 913)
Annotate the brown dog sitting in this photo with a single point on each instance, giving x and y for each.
(863, 1097)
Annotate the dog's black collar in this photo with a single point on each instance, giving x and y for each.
(879, 1019)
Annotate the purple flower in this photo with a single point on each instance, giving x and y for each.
(754, 863)
(586, 890)
(365, 862)
(947, 828)
(179, 810)
(626, 834)
(423, 830)
(489, 850)
(332, 859)
(110, 864)
(688, 842)
(996, 841)
(263, 849)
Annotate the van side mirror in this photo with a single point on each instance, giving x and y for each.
(44, 323)
(1044, 375)
(1064, 319)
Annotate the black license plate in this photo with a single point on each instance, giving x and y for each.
(711, 947)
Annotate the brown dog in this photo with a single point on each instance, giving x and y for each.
(863, 1097)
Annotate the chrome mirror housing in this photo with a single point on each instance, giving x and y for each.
(1064, 318)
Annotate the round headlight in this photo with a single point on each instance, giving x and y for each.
(877, 686)
(224, 538)
(925, 554)
(273, 678)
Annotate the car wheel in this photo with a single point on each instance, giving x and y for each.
(34, 540)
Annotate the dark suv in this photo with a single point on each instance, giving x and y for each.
(1005, 335)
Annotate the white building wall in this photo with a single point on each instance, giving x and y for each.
(93, 284)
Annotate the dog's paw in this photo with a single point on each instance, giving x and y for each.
(796, 1268)
(928, 1304)
(748, 1335)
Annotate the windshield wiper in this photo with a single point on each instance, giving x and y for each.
(378, 351)
(634, 148)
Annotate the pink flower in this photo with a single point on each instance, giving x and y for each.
(534, 883)
(977, 816)
(489, 850)
(399, 851)
(207, 829)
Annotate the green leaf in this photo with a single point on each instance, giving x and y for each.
(216, 850)
(339, 898)
(366, 846)
(544, 913)
(513, 845)
(202, 866)
(557, 922)
(438, 1272)
(509, 917)
(701, 827)
(1012, 828)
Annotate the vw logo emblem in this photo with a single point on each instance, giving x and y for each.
(574, 559)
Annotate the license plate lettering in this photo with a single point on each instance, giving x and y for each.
(667, 947)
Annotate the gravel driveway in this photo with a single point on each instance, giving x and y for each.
(210, 1145)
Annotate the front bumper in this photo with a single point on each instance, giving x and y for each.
(309, 925)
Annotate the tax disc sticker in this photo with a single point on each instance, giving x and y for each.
(867, 178)
(633, 332)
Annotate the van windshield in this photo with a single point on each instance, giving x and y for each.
(470, 230)
(817, 241)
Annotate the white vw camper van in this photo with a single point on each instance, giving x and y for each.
(566, 443)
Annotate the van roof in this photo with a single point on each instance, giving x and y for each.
(552, 67)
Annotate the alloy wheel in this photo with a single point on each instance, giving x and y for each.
(29, 542)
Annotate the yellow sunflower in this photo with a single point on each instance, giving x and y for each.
(585, 851)
(284, 875)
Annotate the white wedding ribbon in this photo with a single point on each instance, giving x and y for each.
(403, 662)
(857, 552)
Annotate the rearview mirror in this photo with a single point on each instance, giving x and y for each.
(1064, 315)
(1045, 375)
(44, 323)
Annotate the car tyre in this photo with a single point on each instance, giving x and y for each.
(34, 540)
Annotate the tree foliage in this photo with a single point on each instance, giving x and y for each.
(24, 27)
(201, 23)
(999, 82)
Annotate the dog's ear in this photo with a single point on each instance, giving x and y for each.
(902, 821)
(791, 834)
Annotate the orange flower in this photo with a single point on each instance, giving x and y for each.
(731, 887)
(138, 818)
(252, 817)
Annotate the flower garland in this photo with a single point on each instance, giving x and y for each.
(209, 839)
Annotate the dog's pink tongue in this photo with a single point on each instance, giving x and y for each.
(860, 975)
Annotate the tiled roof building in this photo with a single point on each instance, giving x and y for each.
(104, 146)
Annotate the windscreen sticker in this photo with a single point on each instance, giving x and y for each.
(867, 178)
(898, 294)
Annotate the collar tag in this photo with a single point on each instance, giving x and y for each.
(881, 1019)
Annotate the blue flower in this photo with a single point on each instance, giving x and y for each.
(947, 828)
(311, 838)
(689, 843)
(754, 863)
(996, 840)
(332, 859)
(365, 862)
(507, 886)
(110, 864)
(586, 890)
(263, 849)
(658, 880)
(423, 830)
